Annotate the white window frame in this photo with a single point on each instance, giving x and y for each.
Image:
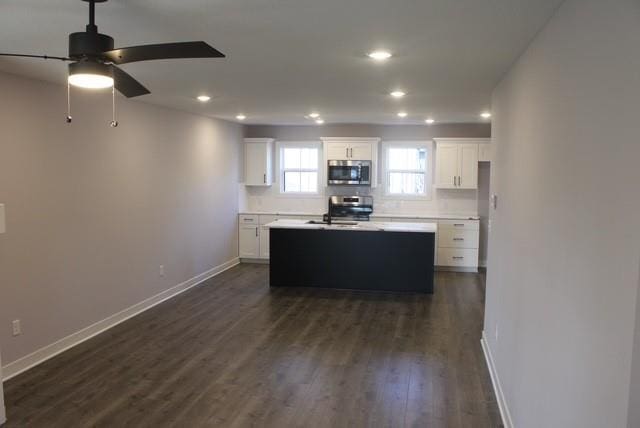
(280, 146)
(429, 165)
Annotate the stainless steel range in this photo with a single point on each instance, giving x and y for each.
(349, 208)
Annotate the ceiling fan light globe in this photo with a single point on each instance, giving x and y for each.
(91, 81)
(90, 75)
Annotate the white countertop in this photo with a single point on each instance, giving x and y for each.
(373, 216)
(364, 226)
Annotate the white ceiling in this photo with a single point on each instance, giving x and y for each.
(286, 58)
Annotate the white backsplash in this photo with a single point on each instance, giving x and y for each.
(269, 199)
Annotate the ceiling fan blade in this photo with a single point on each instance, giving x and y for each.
(127, 85)
(162, 51)
(36, 56)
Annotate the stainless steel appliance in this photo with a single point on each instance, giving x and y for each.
(354, 208)
(349, 172)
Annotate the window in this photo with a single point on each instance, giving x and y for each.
(299, 168)
(408, 171)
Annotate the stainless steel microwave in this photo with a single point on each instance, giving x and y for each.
(349, 172)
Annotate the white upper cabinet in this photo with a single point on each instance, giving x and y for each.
(447, 165)
(258, 161)
(468, 172)
(351, 148)
(457, 163)
(361, 151)
(337, 151)
(485, 152)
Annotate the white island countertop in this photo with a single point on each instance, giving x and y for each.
(363, 226)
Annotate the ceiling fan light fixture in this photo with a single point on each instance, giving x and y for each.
(90, 75)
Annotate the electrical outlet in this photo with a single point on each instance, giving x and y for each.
(161, 270)
(17, 330)
(496, 332)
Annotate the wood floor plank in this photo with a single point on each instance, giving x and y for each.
(234, 352)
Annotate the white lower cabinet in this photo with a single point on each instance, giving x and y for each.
(452, 238)
(458, 257)
(264, 242)
(264, 234)
(249, 241)
(254, 235)
(457, 241)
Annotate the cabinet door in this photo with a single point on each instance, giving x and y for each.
(264, 242)
(257, 164)
(447, 165)
(249, 241)
(484, 152)
(338, 151)
(360, 151)
(468, 169)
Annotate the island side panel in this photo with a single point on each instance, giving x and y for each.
(362, 260)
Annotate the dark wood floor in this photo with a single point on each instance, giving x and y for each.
(235, 353)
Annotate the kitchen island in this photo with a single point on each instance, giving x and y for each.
(361, 255)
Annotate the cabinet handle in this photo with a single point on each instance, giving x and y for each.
(454, 181)
(256, 231)
(264, 178)
(458, 239)
(458, 257)
(351, 152)
(459, 224)
(347, 152)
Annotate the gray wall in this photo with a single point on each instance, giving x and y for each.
(386, 132)
(563, 268)
(634, 390)
(93, 211)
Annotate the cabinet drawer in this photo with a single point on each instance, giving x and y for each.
(459, 224)
(266, 219)
(458, 238)
(249, 219)
(458, 257)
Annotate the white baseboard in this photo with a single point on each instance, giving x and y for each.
(41, 355)
(497, 387)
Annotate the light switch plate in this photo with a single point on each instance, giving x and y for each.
(2, 217)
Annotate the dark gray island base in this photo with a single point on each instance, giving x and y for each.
(347, 259)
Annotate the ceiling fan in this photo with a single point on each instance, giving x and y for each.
(94, 61)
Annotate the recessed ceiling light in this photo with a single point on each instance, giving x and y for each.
(402, 114)
(241, 117)
(314, 115)
(430, 121)
(379, 55)
(203, 98)
(397, 94)
(319, 121)
(485, 115)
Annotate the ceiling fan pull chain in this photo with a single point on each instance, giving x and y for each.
(69, 118)
(114, 122)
